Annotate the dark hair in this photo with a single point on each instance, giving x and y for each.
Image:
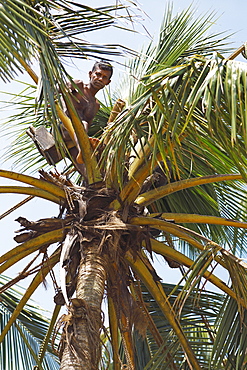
(106, 66)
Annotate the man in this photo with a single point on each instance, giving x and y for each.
(85, 103)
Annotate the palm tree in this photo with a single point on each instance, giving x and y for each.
(167, 179)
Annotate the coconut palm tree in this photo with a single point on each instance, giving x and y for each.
(166, 179)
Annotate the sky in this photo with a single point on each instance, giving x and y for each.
(230, 17)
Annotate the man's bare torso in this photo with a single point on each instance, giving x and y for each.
(84, 102)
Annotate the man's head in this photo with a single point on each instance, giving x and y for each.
(105, 66)
(100, 76)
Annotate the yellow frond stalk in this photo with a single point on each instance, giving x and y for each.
(30, 191)
(41, 184)
(178, 231)
(113, 322)
(159, 295)
(127, 342)
(199, 219)
(170, 228)
(29, 70)
(150, 196)
(30, 246)
(133, 187)
(89, 159)
(141, 154)
(140, 169)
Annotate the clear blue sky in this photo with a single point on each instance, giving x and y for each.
(231, 17)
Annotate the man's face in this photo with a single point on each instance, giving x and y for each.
(99, 78)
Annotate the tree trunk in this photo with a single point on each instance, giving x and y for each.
(82, 347)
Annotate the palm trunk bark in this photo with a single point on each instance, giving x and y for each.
(82, 340)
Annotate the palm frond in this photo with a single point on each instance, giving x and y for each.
(38, 279)
(175, 101)
(29, 330)
(157, 292)
(209, 303)
(27, 28)
(230, 341)
(206, 307)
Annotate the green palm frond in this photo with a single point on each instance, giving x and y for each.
(28, 27)
(201, 336)
(26, 114)
(181, 36)
(206, 307)
(177, 100)
(177, 109)
(167, 97)
(229, 349)
(25, 336)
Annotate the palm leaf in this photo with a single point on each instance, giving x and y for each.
(22, 22)
(26, 334)
(166, 308)
(201, 337)
(230, 341)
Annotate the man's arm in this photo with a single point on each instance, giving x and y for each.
(79, 84)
